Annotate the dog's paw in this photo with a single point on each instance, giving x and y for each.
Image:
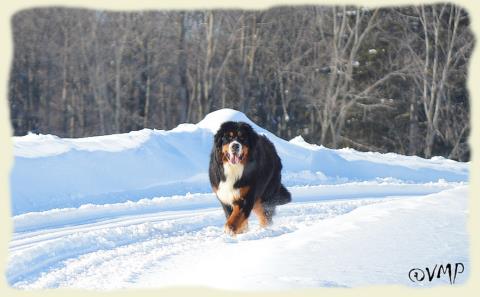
(229, 230)
(233, 231)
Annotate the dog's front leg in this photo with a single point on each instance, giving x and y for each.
(238, 220)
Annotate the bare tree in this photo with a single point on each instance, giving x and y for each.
(435, 60)
(383, 79)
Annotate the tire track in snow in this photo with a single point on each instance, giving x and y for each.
(113, 253)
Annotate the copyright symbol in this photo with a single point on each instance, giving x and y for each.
(416, 275)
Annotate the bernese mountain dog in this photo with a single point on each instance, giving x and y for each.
(245, 174)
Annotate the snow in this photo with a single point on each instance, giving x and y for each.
(62, 173)
(340, 243)
(33, 145)
(93, 212)
(135, 210)
(370, 244)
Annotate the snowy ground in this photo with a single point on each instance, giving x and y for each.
(117, 211)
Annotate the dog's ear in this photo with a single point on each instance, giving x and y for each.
(217, 139)
(217, 146)
(217, 155)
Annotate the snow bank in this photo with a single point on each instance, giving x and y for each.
(51, 172)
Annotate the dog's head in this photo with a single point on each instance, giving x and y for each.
(234, 141)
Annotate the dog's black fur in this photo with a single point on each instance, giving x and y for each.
(260, 181)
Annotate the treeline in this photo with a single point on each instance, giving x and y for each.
(387, 79)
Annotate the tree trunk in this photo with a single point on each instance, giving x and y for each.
(429, 140)
(183, 94)
(413, 128)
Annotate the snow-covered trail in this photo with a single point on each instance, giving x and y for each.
(180, 240)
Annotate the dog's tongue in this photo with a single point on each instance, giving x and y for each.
(234, 159)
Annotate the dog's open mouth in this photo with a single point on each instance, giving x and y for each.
(234, 158)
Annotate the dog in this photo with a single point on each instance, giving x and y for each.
(245, 174)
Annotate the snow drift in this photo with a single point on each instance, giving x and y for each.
(51, 172)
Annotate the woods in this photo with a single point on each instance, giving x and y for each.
(378, 79)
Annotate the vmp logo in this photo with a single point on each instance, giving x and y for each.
(439, 271)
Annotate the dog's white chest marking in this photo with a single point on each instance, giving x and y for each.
(226, 193)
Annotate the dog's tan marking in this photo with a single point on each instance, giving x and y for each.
(259, 211)
(245, 152)
(242, 192)
(224, 153)
(237, 222)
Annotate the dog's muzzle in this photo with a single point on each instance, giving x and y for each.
(235, 152)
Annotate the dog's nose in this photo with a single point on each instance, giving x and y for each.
(235, 147)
